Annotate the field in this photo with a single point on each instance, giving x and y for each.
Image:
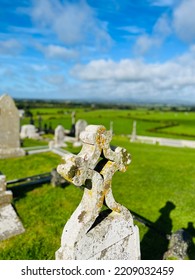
(179, 124)
(158, 187)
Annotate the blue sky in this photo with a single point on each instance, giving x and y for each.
(123, 50)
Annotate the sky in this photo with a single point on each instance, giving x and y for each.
(98, 50)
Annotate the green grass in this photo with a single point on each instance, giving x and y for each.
(157, 178)
(150, 123)
(33, 143)
(29, 165)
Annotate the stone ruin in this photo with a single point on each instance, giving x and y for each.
(9, 128)
(10, 224)
(89, 234)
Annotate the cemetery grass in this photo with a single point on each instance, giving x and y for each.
(158, 188)
(157, 123)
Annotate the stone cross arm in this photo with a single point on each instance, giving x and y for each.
(96, 144)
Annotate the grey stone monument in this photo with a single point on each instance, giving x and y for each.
(9, 128)
(88, 234)
(133, 135)
(59, 136)
(10, 224)
(29, 131)
(79, 127)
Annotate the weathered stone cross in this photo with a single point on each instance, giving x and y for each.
(94, 168)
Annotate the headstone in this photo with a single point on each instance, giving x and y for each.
(29, 131)
(40, 123)
(9, 128)
(59, 136)
(10, 224)
(133, 135)
(79, 127)
(72, 130)
(86, 235)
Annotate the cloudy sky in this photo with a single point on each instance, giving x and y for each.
(123, 50)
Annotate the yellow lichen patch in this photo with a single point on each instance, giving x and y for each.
(100, 201)
(89, 192)
(107, 185)
(117, 209)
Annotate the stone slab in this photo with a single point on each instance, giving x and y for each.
(10, 225)
(5, 197)
(11, 152)
(113, 239)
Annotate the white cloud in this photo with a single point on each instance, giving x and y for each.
(58, 80)
(72, 22)
(181, 21)
(161, 30)
(137, 79)
(10, 47)
(125, 70)
(144, 43)
(184, 21)
(58, 52)
(132, 29)
(162, 3)
(162, 27)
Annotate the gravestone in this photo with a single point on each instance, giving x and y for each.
(9, 128)
(111, 127)
(59, 136)
(89, 234)
(10, 224)
(79, 127)
(29, 131)
(133, 135)
(40, 121)
(73, 119)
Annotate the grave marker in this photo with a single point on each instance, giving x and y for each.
(79, 127)
(59, 136)
(83, 237)
(133, 135)
(29, 131)
(9, 128)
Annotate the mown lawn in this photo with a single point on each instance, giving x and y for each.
(150, 123)
(159, 186)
